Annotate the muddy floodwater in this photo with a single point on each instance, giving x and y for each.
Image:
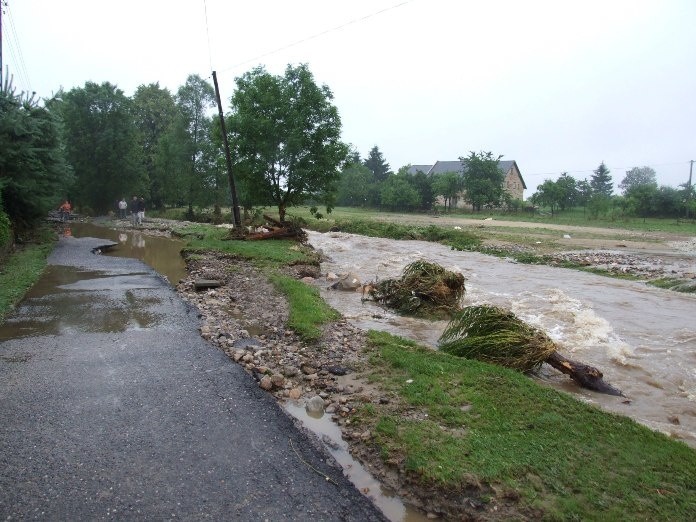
(643, 338)
(161, 253)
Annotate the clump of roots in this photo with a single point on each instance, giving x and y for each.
(495, 335)
(424, 290)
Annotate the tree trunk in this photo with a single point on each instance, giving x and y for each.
(586, 376)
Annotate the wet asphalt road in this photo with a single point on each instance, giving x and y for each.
(113, 407)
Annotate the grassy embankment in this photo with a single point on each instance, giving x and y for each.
(21, 269)
(453, 423)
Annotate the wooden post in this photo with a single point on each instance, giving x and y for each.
(228, 158)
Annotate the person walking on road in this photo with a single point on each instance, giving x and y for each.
(141, 210)
(122, 207)
(134, 210)
(65, 210)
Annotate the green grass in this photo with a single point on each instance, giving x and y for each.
(18, 273)
(564, 457)
(263, 253)
(308, 311)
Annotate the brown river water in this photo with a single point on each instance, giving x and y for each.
(642, 338)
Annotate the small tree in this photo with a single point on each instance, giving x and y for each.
(397, 194)
(376, 163)
(601, 182)
(483, 180)
(448, 185)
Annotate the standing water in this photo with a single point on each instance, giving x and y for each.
(642, 338)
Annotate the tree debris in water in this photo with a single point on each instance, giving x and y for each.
(273, 229)
(425, 290)
(497, 336)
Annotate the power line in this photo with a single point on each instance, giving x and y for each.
(317, 35)
(18, 57)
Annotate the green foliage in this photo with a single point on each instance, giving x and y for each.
(376, 163)
(19, 272)
(637, 177)
(194, 99)
(154, 113)
(448, 185)
(102, 146)
(483, 180)
(5, 230)
(286, 137)
(308, 311)
(396, 193)
(494, 335)
(356, 187)
(34, 175)
(601, 183)
(465, 425)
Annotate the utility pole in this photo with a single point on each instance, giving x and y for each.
(228, 157)
(688, 189)
(2, 5)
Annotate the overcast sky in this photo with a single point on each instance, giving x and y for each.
(555, 85)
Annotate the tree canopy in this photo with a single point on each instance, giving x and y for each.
(376, 163)
(483, 179)
(34, 175)
(638, 176)
(286, 136)
(102, 145)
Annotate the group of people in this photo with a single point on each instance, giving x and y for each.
(137, 209)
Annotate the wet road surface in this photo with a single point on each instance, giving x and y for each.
(113, 407)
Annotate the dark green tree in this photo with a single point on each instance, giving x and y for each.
(102, 146)
(424, 186)
(34, 175)
(601, 182)
(376, 163)
(638, 176)
(483, 180)
(154, 111)
(194, 100)
(286, 132)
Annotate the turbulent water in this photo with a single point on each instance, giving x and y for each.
(642, 338)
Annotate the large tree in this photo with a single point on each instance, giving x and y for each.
(34, 175)
(102, 146)
(286, 137)
(376, 163)
(154, 113)
(483, 180)
(194, 100)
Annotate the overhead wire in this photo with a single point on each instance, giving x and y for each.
(18, 58)
(317, 35)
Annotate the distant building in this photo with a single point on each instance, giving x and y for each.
(513, 182)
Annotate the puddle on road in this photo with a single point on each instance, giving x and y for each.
(161, 253)
(390, 504)
(66, 298)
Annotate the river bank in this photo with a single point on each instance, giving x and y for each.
(246, 318)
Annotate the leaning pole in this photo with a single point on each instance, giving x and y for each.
(228, 158)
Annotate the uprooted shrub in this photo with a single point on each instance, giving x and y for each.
(424, 290)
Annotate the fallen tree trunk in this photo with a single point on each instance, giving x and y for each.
(586, 376)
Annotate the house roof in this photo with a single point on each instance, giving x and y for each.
(458, 166)
(413, 169)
